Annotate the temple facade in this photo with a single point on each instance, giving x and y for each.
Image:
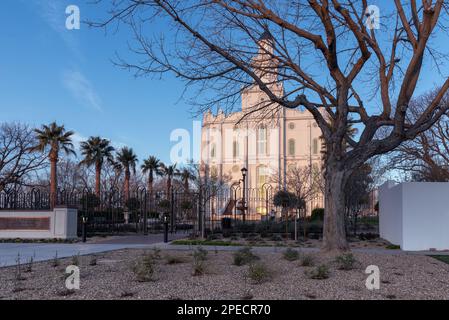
(268, 140)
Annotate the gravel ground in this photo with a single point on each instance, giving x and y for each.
(402, 277)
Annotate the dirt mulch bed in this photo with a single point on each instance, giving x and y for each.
(402, 277)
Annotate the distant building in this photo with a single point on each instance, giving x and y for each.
(268, 145)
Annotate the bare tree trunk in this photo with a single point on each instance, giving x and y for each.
(334, 233)
(98, 179)
(53, 180)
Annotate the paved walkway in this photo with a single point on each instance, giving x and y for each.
(9, 252)
(41, 252)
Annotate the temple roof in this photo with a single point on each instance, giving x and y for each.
(266, 35)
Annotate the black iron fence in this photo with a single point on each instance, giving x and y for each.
(113, 211)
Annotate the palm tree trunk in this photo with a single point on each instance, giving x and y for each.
(126, 186)
(97, 179)
(150, 183)
(168, 186)
(53, 179)
(150, 191)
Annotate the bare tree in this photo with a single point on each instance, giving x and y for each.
(208, 188)
(299, 180)
(72, 177)
(357, 191)
(426, 158)
(17, 163)
(320, 55)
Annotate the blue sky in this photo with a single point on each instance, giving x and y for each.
(48, 73)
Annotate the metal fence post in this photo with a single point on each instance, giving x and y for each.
(172, 213)
(145, 214)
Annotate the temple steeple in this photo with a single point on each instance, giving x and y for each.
(264, 64)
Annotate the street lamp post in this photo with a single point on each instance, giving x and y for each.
(244, 207)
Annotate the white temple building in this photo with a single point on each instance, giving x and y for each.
(266, 145)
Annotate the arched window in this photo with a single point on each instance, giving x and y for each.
(262, 140)
(315, 146)
(291, 147)
(235, 149)
(214, 172)
(262, 175)
(213, 151)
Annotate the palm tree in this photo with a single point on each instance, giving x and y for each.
(169, 172)
(126, 161)
(53, 138)
(186, 176)
(153, 166)
(95, 151)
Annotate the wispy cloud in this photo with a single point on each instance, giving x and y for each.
(77, 138)
(53, 13)
(81, 88)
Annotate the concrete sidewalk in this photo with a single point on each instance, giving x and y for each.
(9, 252)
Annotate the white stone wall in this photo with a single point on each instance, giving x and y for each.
(415, 215)
(63, 224)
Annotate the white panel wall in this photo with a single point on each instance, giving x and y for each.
(415, 215)
(390, 213)
(426, 216)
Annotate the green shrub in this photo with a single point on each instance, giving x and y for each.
(346, 261)
(276, 237)
(186, 205)
(18, 269)
(317, 214)
(259, 273)
(132, 204)
(89, 201)
(200, 254)
(93, 261)
(144, 269)
(286, 199)
(291, 254)
(393, 247)
(174, 259)
(55, 260)
(244, 256)
(156, 254)
(213, 236)
(368, 236)
(76, 259)
(307, 260)
(164, 204)
(247, 227)
(29, 265)
(321, 272)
